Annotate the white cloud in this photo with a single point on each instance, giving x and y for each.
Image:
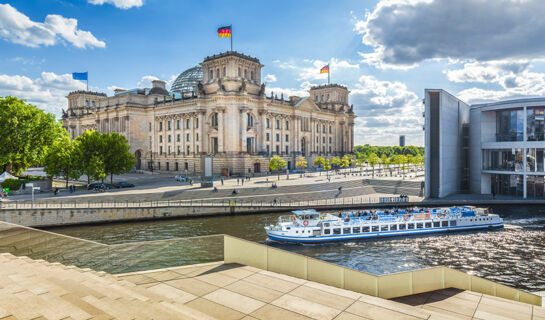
(270, 78)
(302, 91)
(48, 92)
(122, 4)
(385, 110)
(145, 81)
(18, 28)
(513, 77)
(403, 33)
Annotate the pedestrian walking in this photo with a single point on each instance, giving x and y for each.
(237, 181)
(242, 181)
(222, 181)
(275, 201)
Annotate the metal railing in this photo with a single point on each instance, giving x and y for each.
(362, 200)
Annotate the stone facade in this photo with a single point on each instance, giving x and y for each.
(230, 118)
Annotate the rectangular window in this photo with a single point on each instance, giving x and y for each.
(287, 138)
(160, 149)
(188, 124)
(436, 224)
(178, 124)
(268, 149)
(188, 149)
(327, 231)
(337, 231)
(444, 223)
(374, 228)
(169, 139)
(287, 125)
(277, 137)
(196, 123)
(365, 229)
(393, 227)
(419, 226)
(178, 137)
(150, 126)
(410, 226)
(356, 230)
(161, 126)
(346, 230)
(277, 124)
(277, 149)
(402, 226)
(287, 150)
(428, 224)
(267, 136)
(453, 223)
(383, 228)
(196, 137)
(187, 137)
(168, 125)
(268, 124)
(160, 139)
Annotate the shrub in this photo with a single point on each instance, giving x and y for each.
(12, 184)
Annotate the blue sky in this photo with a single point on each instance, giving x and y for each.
(386, 51)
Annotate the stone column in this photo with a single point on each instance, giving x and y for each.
(243, 129)
(203, 132)
(220, 130)
(262, 133)
(273, 134)
(193, 136)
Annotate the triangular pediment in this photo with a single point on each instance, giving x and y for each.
(307, 104)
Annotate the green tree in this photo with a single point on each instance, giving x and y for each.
(346, 160)
(320, 162)
(301, 164)
(335, 162)
(361, 159)
(116, 155)
(385, 161)
(276, 164)
(89, 155)
(327, 166)
(373, 160)
(26, 132)
(60, 159)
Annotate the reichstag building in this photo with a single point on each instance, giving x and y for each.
(218, 109)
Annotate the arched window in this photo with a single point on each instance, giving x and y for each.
(250, 120)
(252, 75)
(245, 73)
(322, 98)
(328, 97)
(211, 74)
(224, 71)
(214, 120)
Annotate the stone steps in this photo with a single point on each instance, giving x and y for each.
(35, 288)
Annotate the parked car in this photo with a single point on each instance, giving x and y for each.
(99, 186)
(180, 177)
(124, 184)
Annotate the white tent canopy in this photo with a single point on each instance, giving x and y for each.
(5, 176)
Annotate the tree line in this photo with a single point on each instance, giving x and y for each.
(31, 137)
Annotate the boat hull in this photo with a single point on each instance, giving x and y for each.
(370, 235)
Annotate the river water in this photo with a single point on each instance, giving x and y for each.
(514, 256)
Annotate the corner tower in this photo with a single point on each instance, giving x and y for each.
(330, 96)
(231, 72)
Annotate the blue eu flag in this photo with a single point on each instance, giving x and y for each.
(79, 75)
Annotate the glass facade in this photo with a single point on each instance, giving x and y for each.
(187, 81)
(503, 159)
(507, 184)
(510, 125)
(535, 125)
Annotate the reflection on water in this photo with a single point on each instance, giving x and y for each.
(513, 256)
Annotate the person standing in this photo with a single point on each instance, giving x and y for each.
(222, 181)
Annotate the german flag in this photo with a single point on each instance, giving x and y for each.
(224, 32)
(325, 69)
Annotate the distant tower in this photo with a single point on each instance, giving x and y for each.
(401, 140)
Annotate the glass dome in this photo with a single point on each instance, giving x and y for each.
(187, 81)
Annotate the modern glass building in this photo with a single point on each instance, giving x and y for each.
(493, 148)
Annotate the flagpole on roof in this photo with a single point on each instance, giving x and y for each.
(87, 80)
(231, 37)
(328, 73)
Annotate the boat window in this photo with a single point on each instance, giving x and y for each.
(453, 223)
(296, 231)
(288, 228)
(436, 224)
(410, 226)
(402, 226)
(365, 229)
(346, 230)
(383, 228)
(337, 231)
(374, 228)
(326, 225)
(428, 225)
(393, 227)
(356, 230)
(327, 231)
(444, 223)
(419, 226)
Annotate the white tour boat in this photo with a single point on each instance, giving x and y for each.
(310, 226)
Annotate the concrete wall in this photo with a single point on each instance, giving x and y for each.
(385, 286)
